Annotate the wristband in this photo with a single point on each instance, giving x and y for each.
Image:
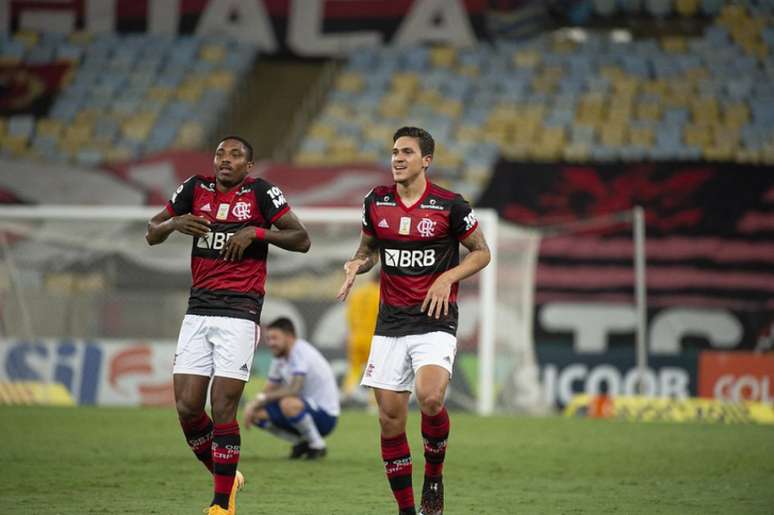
(260, 233)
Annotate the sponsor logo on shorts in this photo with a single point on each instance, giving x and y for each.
(370, 370)
(244, 368)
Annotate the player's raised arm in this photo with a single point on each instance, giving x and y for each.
(437, 299)
(163, 224)
(366, 256)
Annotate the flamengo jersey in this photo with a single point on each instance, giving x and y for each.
(416, 245)
(228, 288)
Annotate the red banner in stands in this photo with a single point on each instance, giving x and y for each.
(309, 186)
(30, 88)
(314, 28)
(710, 249)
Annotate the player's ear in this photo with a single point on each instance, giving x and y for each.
(426, 160)
(250, 164)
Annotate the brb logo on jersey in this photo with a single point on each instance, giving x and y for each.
(426, 227)
(402, 258)
(241, 210)
(214, 240)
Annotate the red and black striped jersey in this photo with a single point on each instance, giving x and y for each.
(219, 287)
(416, 244)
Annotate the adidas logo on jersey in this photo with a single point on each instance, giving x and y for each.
(206, 207)
(383, 224)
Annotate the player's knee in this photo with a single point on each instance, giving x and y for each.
(391, 423)
(186, 411)
(224, 409)
(291, 406)
(431, 403)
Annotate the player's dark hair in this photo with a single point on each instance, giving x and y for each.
(426, 141)
(283, 324)
(244, 142)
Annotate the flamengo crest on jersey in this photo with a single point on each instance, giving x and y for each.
(416, 244)
(228, 288)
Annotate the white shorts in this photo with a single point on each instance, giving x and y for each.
(394, 361)
(216, 346)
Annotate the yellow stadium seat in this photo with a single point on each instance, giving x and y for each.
(77, 134)
(117, 155)
(28, 38)
(351, 82)
(320, 130)
(443, 56)
(526, 58)
(221, 79)
(576, 152)
(674, 44)
(190, 94)
(612, 134)
(80, 37)
(212, 52)
(686, 7)
(49, 127)
(404, 82)
(451, 108)
(190, 135)
(748, 156)
(431, 97)
(469, 70)
(696, 135)
(642, 136)
(649, 111)
(15, 145)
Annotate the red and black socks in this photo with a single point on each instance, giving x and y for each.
(435, 433)
(225, 457)
(198, 434)
(397, 463)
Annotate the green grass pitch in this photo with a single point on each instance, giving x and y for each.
(89, 460)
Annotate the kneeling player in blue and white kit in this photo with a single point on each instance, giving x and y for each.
(300, 402)
(415, 228)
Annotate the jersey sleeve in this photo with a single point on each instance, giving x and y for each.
(462, 219)
(274, 375)
(368, 227)
(271, 201)
(297, 365)
(182, 199)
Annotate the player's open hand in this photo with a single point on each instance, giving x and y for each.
(350, 270)
(436, 301)
(192, 225)
(235, 247)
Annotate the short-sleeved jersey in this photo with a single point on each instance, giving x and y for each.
(219, 287)
(319, 387)
(416, 244)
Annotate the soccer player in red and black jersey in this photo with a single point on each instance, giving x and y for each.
(230, 217)
(415, 228)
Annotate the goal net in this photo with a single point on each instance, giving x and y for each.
(87, 304)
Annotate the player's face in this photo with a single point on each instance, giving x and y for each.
(407, 160)
(278, 342)
(231, 164)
